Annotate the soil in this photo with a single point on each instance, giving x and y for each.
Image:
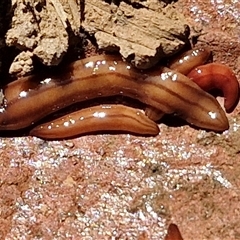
(122, 186)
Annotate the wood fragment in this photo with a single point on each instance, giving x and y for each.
(142, 34)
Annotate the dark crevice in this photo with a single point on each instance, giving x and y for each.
(6, 13)
(82, 10)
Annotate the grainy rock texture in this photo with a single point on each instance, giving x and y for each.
(143, 34)
(127, 187)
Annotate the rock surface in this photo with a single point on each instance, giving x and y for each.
(128, 187)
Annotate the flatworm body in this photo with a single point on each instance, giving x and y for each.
(107, 117)
(31, 98)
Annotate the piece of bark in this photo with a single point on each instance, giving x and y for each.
(43, 28)
(155, 5)
(142, 34)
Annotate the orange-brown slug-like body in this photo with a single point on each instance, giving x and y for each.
(217, 76)
(173, 233)
(32, 98)
(189, 60)
(107, 117)
(183, 64)
(209, 76)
